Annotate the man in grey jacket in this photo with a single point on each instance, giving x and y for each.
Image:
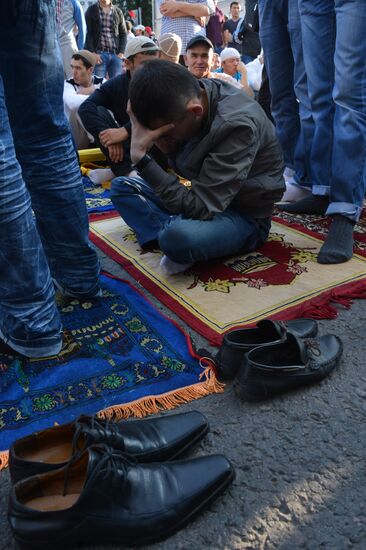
(219, 139)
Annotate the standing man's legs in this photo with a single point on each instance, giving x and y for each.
(29, 54)
(29, 320)
(114, 65)
(348, 160)
(101, 68)
(335, 53)
(280, 35)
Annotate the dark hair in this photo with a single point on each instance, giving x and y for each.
(234, 4)
(160, 90)
(79, 57)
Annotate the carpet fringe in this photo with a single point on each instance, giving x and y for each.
(153, 404)
(4, 459)
(324, 307)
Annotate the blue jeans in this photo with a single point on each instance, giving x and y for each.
(185, 240)
(333, 34)
(39, 138)
(111, 64)
(280, 34)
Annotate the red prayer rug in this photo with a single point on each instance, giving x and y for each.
(281, 280)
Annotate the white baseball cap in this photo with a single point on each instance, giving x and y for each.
(140, 44)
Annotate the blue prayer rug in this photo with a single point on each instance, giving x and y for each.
(121, 357)
(97, 198)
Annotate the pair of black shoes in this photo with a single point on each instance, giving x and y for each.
(98, 482)
(276, 357)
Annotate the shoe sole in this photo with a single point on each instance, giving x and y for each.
(72, 542)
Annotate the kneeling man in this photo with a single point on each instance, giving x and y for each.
(218, 138)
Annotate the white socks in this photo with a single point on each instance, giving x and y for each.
(100, 175)
(294, 192)
(169, 267)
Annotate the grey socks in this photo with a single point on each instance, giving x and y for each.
(313, 204)
(338, 246)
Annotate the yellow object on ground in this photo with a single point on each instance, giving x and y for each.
(90, 155)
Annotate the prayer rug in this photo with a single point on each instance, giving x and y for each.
(317, 226)
(281, 280)
(98, 200)
(121, 357)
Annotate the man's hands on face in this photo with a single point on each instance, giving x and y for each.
(169, 8)
(242, 68)
(142, 138)
(112, 136)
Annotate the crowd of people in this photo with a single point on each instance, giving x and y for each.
(197, 102)
(188, 100)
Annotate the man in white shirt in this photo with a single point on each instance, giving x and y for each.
(76, 90)
(185, 18)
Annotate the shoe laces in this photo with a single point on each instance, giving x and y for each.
(105, 429)
(111, 463)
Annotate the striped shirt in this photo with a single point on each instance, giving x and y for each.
(185, 27)
(107, 41)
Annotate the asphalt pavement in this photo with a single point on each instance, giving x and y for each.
(300, 459)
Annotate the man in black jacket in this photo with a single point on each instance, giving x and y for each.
(219, 139)
(112, 132)
(106, 37)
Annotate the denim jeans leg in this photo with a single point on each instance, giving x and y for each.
(186, 240)
(29, 320)
(101, 69)
(302, 154)
(44, 147)
(140, 207)
(348, 184)
(281, 41)
(114, 66)
(318, 29)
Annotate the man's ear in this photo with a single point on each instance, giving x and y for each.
(128, 65)
(185, 60)
(195, 108)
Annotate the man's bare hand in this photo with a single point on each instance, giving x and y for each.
(142, 138)
(242, 68)
(201, 21)
(169, 8)
(115, 152)
(112, 135)
(98, 59)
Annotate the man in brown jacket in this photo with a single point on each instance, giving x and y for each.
(219, 139)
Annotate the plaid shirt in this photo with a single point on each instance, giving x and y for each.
(108, 43)
(185, 27)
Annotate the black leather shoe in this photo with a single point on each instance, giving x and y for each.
(238, 342)
(149, 440)
(269, 370)
(105, 497)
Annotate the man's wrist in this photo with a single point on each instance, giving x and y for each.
(142, 162)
